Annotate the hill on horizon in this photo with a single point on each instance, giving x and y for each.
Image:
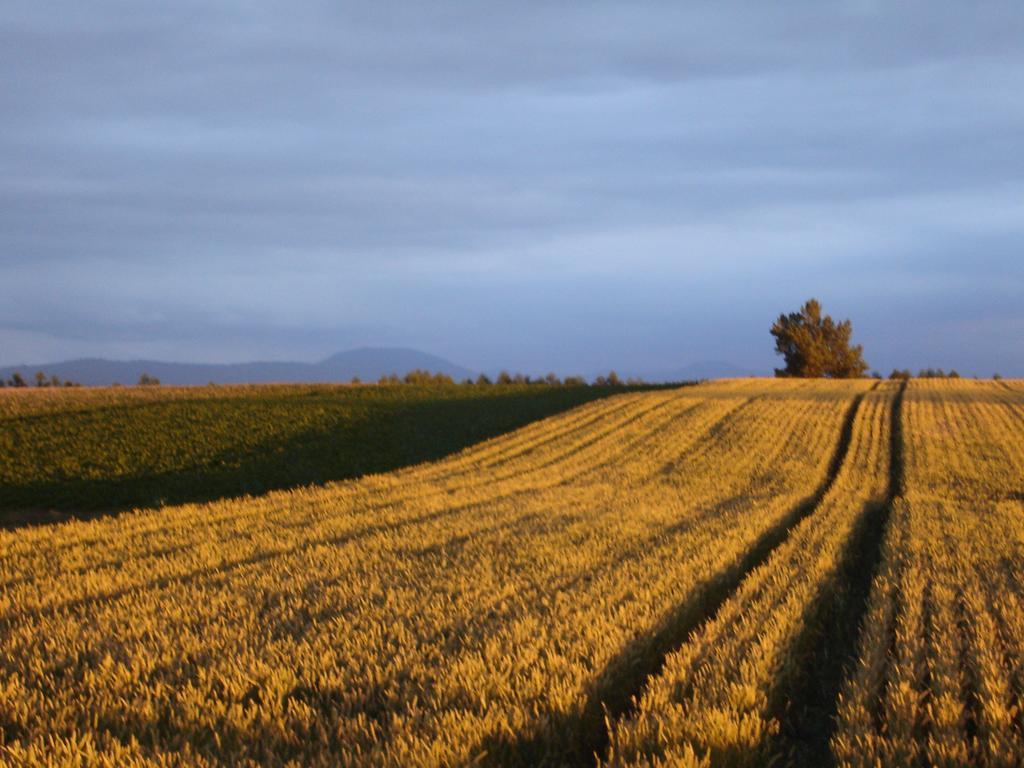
(368, 363)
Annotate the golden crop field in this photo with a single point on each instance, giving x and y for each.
(740, 573)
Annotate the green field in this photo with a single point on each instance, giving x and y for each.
(79, 452)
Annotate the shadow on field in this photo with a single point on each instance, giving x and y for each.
(806, 700)
(379, 438)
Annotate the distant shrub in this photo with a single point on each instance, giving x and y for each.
(937, 373)
(426, 378)
(145, 380)
(611, 380)
(417, 376)
(483, 380)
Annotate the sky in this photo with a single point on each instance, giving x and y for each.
(567, 186)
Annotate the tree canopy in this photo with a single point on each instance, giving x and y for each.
(814, 345)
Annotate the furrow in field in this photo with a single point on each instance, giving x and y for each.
(946, 681)
(808, 694)
(718, 697)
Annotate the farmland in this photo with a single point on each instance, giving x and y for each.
(81, 452)
(741, 572)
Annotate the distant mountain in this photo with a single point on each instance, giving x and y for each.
(368, 363)
(705, 369)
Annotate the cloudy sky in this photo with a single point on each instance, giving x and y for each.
(567, 186)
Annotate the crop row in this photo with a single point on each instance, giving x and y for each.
(940, 679)
(720, 697)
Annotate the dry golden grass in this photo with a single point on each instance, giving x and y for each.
(488, 608)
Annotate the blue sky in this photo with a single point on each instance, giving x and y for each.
(537, 186)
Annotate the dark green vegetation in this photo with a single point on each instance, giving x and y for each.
(80, 452)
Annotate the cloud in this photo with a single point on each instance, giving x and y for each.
(485, 179)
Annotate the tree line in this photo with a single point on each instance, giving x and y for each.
(422, 377)
(41, 380)
(925, 373)
(813, 345)
(416, 377)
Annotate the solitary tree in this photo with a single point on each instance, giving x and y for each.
(814, 345)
